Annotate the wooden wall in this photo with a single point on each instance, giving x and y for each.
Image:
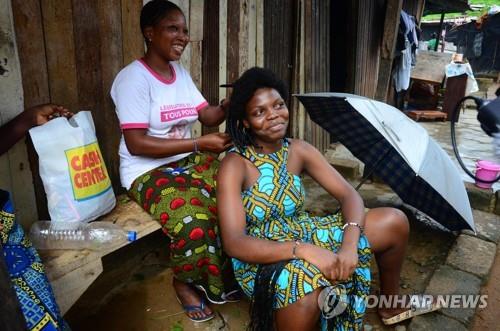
(316, 63)
(70, 52)
(369, 36)
(308, 58)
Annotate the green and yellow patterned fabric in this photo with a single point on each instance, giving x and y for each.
(274, 211)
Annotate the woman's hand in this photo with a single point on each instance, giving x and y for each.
(326, 261)
(43, 113)
(214, 142)
(347, 262)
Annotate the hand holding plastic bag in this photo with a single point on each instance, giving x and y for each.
(73, 172)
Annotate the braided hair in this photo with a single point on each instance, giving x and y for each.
(243, 90)
(154, 11)
(261, 308)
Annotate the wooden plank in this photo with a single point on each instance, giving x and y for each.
(391, 25)
(233, 44)
(295, 106)
(308, 44)
(186, 55)
(11, 316)
(417, 115)
(14, 165)
(111, 55)
(96, 32)
(279, 25)
(31, 50)
(252, 32)
(70, 287)
(455, 91)
(431, 66)
(196, 75)
(243, 35)
(259, 51)
(128, 215)
(302, 116)
(223, 92)
(133, 41)
(317, 63)
(196, 18)
(61, 64)
(32, 56)
(185, 60)
(210, 56)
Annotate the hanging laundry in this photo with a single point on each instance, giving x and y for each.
(407, 36)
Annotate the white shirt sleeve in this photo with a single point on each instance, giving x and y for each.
(130, 94)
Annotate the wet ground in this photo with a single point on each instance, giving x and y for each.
(473, 144)
(144, 299)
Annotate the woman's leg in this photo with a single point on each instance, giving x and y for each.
(387, 230)
(183, 202)
(302, 315)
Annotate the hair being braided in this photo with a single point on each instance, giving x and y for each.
(243, 90)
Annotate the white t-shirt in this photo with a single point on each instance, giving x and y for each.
(167, 109)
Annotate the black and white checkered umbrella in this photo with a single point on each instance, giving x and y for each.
(399, 151)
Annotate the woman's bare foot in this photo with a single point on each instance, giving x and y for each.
(189, 297)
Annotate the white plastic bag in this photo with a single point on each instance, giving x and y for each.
(73, 172)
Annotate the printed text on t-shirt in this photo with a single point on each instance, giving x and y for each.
(175, 114)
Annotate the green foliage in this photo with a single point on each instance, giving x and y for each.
(487, 5)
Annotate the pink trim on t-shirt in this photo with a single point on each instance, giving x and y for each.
(134, 126)
(156, 75)
(201, 106)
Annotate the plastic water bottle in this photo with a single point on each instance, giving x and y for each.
(95, 235)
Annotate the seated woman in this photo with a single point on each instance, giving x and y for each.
(274, 243)
(170, 174)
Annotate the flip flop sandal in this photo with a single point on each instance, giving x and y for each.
(414, 310)
(196, 309)
(233, 296)
(217, 301)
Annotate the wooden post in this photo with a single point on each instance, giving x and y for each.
(391, 25)
(233, 43)
(11, 316)
(439, 32)
(32, 56)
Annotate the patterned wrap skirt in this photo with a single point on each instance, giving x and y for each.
(181, 197)
(299, 277)
(27, 274)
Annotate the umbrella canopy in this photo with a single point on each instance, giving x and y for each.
(398, 150)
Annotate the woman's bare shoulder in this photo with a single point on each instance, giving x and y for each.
(300, 146)
(231, 164)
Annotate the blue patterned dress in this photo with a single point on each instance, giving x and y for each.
(27, 274)
(274, 211)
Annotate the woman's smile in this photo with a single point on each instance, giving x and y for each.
(267, 116)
